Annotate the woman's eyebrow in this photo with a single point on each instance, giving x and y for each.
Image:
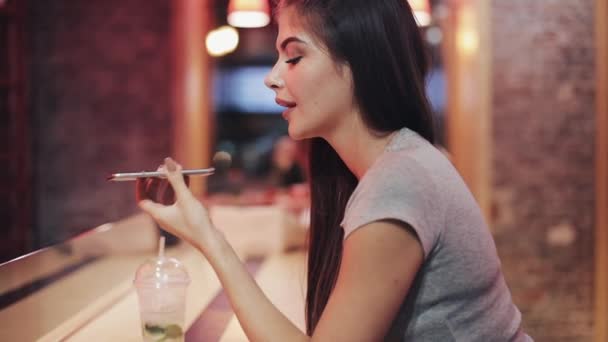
(288, 40)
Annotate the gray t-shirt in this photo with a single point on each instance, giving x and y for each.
(459, 293)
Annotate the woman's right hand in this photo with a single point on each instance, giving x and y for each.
(186, 218)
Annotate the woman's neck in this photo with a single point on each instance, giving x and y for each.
(359, 147)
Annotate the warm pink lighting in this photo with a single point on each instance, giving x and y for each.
(248, 13)
(422, 11)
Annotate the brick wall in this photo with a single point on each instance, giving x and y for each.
(543, 132)
(99, 103)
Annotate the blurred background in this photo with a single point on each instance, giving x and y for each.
(518, 87)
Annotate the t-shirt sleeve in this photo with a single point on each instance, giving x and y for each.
(399, 190)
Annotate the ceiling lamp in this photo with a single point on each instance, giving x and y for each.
(422, 11)
(248, 13)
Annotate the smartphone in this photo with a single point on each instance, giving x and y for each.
(131, 176)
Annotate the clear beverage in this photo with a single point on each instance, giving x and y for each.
(162, 314)
(161, 289)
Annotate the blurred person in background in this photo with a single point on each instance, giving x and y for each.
(399, 250)
(282, 167)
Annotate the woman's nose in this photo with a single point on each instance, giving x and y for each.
(272, 79)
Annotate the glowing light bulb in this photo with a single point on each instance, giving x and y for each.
(222, 41)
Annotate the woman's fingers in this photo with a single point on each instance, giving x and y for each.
(152, 188)
(163, 216)
(176, 179)
(160, 190)
(146, 188)
(166, 195)
(157, 197)
(140, 189)
(154, 209)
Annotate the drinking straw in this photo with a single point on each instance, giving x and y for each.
(161, 247)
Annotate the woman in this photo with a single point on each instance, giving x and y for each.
(398, 247)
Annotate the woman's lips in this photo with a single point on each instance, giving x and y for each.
(286, 113)
(284, 103)
(287, 104)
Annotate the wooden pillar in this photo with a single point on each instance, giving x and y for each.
(601, 187)
(467, 52)
(192, 108)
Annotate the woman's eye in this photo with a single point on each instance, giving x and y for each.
(294, 60)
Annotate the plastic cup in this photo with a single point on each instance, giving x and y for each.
(161, 285)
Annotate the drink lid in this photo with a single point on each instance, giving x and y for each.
(161, 272)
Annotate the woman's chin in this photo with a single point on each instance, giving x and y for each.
(297, 134)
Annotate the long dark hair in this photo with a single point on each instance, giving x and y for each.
(381, 43)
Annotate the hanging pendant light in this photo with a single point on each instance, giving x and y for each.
(248, 13)
(422, 11)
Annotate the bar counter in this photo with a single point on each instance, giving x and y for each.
(82, 290)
